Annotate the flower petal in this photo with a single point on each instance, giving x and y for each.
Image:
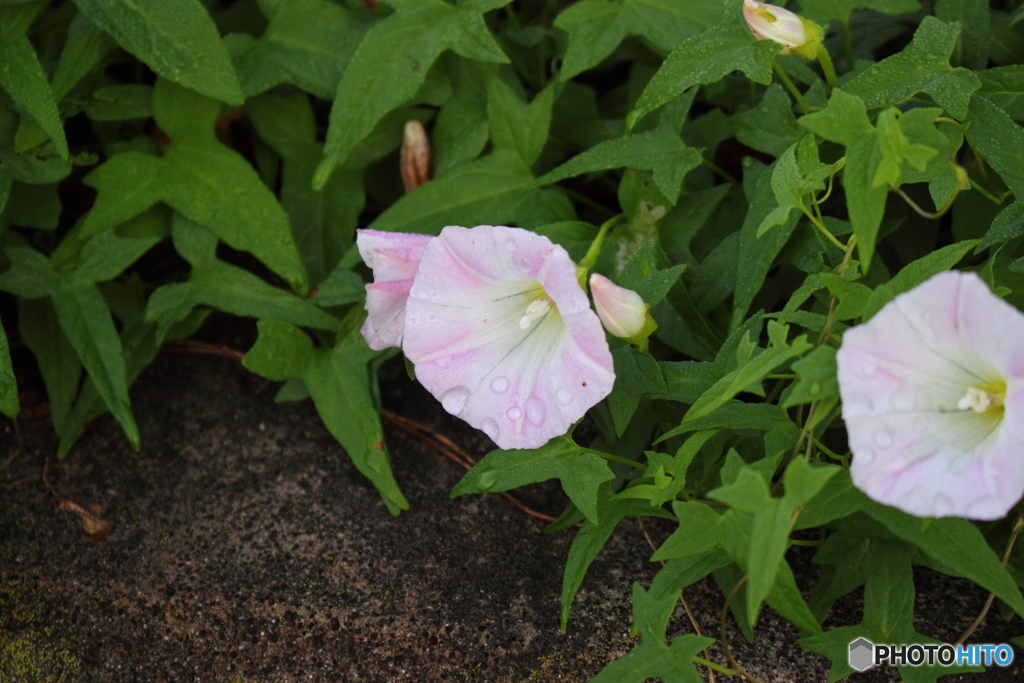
(932, 464)
(394, 257)
(522, 386)
(910, 356)
(901, 377)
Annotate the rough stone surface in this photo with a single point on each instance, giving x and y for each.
(247, 548)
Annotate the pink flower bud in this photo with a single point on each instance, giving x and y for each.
(793, 32)
(622, 311)
(415, 156)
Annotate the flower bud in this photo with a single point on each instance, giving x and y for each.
(622, 311)
(793, 32)
(415, 156)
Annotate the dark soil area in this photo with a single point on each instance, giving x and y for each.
(245, 547)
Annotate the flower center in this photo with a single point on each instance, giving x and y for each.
(537, 309)
(980, 400)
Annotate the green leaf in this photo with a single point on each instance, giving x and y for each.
(844, 119)
(1008, 224)
(896, 150)
(643, 276)
(591, 538)
(201, 179)
(852, 296)
(757, 253)
(824, 11)
(972, 49)
(660, 151)
(1004, 87)
(653, 658)
(225, 287)
(341, 287)
(58, 362)
(516, 125)
(636, 374)
(322, 223)
(923, 66)
(580, 470)
(488, 190)
(915, 273)
(795, 183)
(597, 27)
(957, 544)
(175, 38)
(707, 58)
(68, 278)
(837, 499)
(817, 377)
(86, 321)
(391, 64)
(339, 383)
(22, 75)
(999, 140)
(119, 103)
(749, 373)
(9, 405)
(86, 47)
(307, 43)
(770, 127)
(888, 616)
(461, 130)
(865, 203)
(139, 348)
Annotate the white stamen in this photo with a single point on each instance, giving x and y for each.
(976, 399)
(537, 309)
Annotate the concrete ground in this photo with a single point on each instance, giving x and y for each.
(245, 547)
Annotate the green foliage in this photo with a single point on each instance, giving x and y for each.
(223, 159)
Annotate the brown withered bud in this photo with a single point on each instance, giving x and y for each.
(415, 156)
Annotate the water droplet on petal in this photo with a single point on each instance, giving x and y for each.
(490, 428)
(536, 411)
(564, 396)
(514, 413)
(432, 317)
(865, 369)
(455, 399)
(443, 361)
(883, 437)
(499, 385)
(864, 455)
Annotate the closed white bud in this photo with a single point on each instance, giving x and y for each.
(793, 32)
(621, 310)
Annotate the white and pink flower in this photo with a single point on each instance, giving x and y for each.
(393, 257)
(498, 327)
(933, 398)
(793, 32)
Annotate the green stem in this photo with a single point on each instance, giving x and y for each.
(824, 231)
(595, 247)
(826, 65)
(809, 544)
(711, 665)
(618, 458)
(847, 45)
(791, 86)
